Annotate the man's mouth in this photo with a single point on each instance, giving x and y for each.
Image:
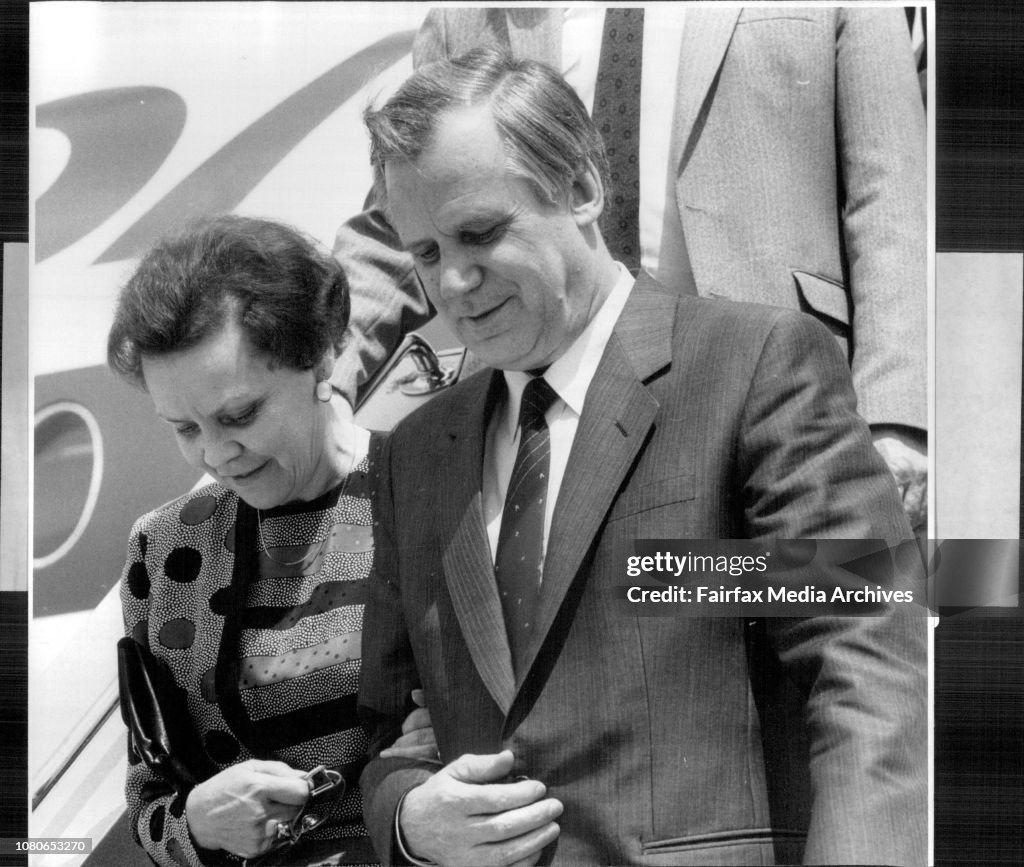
(482, 318)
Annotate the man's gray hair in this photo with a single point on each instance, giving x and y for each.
(549, 137)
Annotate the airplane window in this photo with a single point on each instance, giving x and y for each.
(68, 469)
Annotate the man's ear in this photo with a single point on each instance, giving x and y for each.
(587, 196)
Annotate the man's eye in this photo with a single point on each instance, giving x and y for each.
(428, 255)
(186, 430)
(487, 236)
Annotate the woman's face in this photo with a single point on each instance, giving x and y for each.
(256, 428)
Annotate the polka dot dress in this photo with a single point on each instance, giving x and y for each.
(269, 661)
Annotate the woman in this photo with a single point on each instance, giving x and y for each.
(251, 587)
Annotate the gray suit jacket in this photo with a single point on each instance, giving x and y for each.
(800, 140)
(670, 740)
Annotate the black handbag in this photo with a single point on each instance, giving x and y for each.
(155, 710)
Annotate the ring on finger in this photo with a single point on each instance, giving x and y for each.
(283, 831)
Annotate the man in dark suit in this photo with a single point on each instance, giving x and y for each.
(571, 729)
(782, 161)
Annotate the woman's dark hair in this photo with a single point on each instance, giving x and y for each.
(289, 296)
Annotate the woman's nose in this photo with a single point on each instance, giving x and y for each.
(219, 451)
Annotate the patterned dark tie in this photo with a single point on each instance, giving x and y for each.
(617, 116)
(519, 560)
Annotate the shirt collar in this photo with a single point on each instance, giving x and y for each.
(571, 374)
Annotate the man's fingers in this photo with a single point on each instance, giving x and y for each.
(466, 809)
(418, 719)
(491, 791)
(908, 463)
(526, 862)
(524, 849)
(416, 738)
(502, 797)
(416, 744)
(419, 698)
(470, 768)
(915, 504)
(520, 821)
(426, 752)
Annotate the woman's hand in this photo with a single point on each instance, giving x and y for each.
(417, 739)
(238, 809)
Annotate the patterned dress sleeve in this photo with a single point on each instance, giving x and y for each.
(155, 812)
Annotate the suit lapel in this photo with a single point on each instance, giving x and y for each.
(469, 570)
(617, 416)
(706, 37)
(537, 34)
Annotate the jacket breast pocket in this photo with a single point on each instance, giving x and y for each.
(754, 15)
(654, 495)
(776, 54)
(754, 846)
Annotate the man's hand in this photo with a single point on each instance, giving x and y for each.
(463, 816)
(907, 459)
(417, 740)
(239, 808)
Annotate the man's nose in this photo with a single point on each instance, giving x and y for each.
(459, 274)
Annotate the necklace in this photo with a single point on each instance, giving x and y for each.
(308, 555)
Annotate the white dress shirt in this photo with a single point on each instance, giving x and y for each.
(570, 376)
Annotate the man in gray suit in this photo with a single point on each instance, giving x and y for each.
(570, 728)
(782, 157)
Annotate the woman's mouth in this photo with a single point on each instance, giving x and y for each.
(241, 478)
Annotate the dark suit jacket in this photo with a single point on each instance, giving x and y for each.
(665, 737)
(799, 138)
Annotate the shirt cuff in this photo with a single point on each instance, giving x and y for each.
(411, 859)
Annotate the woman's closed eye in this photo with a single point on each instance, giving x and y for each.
(243, 418)
(189, 429)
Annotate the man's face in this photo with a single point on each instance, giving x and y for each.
(512, 274)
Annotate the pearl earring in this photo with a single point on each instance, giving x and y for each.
(324, 391)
